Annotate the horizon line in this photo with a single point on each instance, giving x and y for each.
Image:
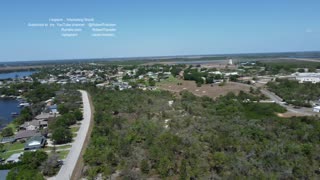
(156, 57)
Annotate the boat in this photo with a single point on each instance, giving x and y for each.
(14, 114)
(24, 105)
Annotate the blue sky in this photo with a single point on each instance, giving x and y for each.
(160, 28)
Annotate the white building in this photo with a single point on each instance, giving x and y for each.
(307, 77)
(231, 74)
(316, 109)
(215, 72)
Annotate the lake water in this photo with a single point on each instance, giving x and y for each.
(7, 106)
(15, 74)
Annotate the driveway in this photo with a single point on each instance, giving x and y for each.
(74, 154)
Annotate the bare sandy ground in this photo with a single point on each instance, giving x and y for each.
(213, 91)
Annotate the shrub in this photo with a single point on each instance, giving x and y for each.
(7, 132)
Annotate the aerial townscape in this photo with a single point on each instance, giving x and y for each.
(205, 113)
(152, 90)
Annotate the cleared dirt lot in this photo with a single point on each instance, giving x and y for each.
(205, 90)
(289, 114)
(213, 92)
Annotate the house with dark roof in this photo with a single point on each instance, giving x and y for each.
(35, 142)
(45, 116)
(33, 125)
(25, 134)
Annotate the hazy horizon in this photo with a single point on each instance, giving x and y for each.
(299, 54)
(36, 30)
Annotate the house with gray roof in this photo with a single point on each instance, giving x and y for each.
(33, 125)
(35, 142)
(45, 116)
(14, 158)
(25, 134)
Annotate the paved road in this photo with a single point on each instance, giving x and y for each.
(72, 158)
(302, 110)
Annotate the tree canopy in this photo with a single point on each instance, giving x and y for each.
(198, 137)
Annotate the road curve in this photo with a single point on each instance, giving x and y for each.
(75, 151)
(302, 110)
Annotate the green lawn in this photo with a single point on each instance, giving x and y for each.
(12, 125)
(57, 147)
(63, 154)
(7, 154)
(14, 146)
(171, 79)
(64, 147)
(11, 149)
(74, 135)
(75, 129)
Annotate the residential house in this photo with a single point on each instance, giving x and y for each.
(26, 134)
(45, 116)
(35, 142)
(34, 125)
(52, 109)
(231, 74)
(49, 102)
(215, 73)
(14, 158)
(316, 109)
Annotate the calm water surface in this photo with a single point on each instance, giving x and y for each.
(16, 74)
(8, 106)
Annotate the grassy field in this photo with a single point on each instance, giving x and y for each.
(63, 154)
(6, 155)
(171, 79)
(14, 146)
(12, 149)
(12, 125)
(75, 129)
(214, 91)
(57, 147)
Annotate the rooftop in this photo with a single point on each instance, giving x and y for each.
(26, 134)
(14, 158)
(43, 116)
(34, 123)
(35, 142)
